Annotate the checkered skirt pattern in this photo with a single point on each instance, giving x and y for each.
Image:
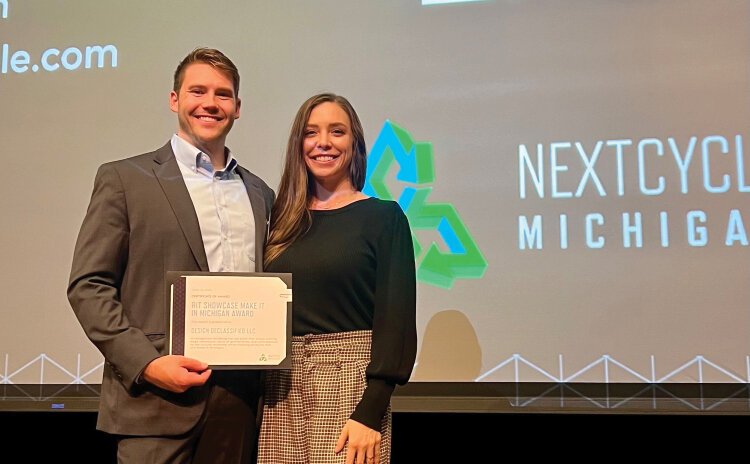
(306, 407)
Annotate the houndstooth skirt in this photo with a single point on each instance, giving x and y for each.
(306, 407)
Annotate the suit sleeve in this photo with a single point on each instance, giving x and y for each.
(394, 333)
(99, 263)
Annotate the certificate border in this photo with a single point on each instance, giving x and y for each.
(173, 276)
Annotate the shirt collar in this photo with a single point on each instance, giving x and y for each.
(200, 162)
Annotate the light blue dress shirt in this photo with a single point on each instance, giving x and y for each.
(223, 208)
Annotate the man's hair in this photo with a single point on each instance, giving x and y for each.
(212, 57)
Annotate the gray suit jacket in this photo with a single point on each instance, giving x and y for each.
(141, 223)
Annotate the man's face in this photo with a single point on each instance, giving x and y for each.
(206, 107)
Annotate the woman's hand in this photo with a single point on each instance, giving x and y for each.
(364, 443)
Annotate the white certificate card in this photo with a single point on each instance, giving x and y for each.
(231, 320)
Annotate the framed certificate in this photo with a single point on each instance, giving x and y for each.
(231, 320)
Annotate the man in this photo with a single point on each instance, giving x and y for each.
(187, 206)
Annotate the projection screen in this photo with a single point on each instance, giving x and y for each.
(574, 172)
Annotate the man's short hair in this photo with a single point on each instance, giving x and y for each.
(212, 57)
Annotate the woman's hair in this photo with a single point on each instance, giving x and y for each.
(290, 216)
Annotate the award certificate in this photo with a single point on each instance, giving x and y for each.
(231, 320)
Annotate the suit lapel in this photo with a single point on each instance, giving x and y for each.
(170, 178)
(258, 204)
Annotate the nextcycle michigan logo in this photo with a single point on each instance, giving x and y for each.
(463, 260)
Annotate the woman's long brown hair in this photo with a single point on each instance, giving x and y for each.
(290, 216)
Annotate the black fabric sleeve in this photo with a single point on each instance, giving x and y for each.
(394, 334)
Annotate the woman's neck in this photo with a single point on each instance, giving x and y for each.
(337, 197)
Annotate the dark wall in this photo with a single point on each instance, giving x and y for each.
(439, 437)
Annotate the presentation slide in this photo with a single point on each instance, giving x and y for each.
(576, 174)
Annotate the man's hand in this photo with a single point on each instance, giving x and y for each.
(176, 373)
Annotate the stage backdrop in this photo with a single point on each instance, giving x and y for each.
(575, 173)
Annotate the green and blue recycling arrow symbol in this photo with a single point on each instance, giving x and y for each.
(463, 260)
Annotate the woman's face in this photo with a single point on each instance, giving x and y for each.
(327, 144)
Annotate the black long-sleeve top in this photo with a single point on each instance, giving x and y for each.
(354, 270)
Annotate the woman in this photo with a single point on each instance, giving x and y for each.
(354, 327)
